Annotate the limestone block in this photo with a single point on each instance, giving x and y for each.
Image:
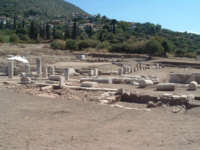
(144, 83)
(165, 87)
(193, 86)
(89, 84)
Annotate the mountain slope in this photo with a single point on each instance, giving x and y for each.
(39, 8)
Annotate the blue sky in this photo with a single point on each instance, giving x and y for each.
(178, 15)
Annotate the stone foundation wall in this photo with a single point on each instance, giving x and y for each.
(184, 78)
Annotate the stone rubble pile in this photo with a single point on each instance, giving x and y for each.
(169, 99)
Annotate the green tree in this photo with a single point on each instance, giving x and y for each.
(15, 22)
(54, 32)
(23, 23)
(153, 47)
(71, 44)
(113, 23)
(89, 30)
(42, 31)
(1, 25)
(74, 30)
(32, 30)
(48, 32)
(167, 47)
(67, 32)
(83, 36)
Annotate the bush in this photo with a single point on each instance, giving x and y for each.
(134, 47)
(24, 37)
(190, 55)
(129, 47)
(184, 53)
(14, 38)
(116, 47)
(83, 36)
(154, 47)
(198, 52)
(2, 40)
(58, 35)
(71, 45)
(103, 45)
(58, 44)
(83, 44)
(92, 43)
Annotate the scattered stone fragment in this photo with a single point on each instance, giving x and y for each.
(61, 82)
(46, 88)
(11, 69)
(165, 87)
(96, 72)
(25, 80)
(51, 70)
(39, 66)
(66, 74)
(89, 84)
(54, 78)
(145, 83)
(193, 86)
(151, 104)
(27, 68)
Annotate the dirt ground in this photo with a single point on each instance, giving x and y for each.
(73, 122)
(29, 123)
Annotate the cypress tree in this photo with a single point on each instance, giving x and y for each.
(42, 33)
(1, 25)
(113, 23)
(15, 22)
(54, 32)
(33, 32)
(67, 33)
(23, 23)
(74, 30)
(48, 33)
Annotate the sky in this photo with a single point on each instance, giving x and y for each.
(177, 15)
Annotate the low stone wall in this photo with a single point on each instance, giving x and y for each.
(180, 64)
(168, 99)
(184, 78)
(136, 98)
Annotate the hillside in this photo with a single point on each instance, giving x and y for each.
(39, 8)
(46, 20)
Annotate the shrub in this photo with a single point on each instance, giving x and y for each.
(116, 47)
(83, 44)
(184, 53)
(134, 47)
(24, 37)
(198, 52)
(154, 47)
(71, 44)
(103, 45)
(58, 44)
(14, 38)
(179, 53)
(2, 40)
(58, 35)
(92, 43)
(83, 36)
(128, 47)
(190, 54)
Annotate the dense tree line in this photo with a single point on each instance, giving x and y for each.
(104, 33)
